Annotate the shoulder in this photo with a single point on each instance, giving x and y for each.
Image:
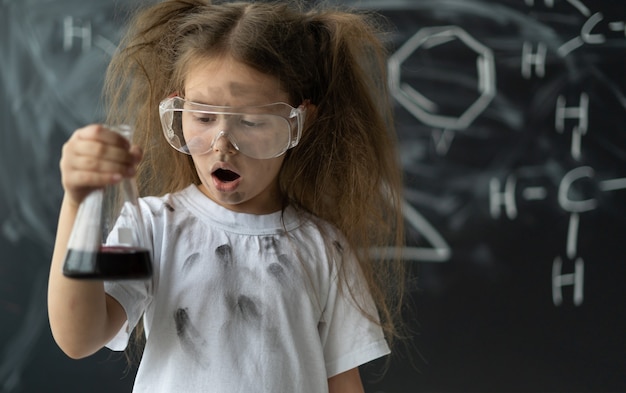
(324, 239)
(321, 230)
(167, 202)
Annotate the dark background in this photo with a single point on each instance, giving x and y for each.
(512, 120)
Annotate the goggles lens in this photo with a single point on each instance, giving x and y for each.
(259, 132)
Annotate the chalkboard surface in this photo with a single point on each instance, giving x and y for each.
(512, 121)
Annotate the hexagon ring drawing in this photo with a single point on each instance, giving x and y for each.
(428, 110)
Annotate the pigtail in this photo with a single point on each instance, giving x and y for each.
(348, 152)
(138, 77)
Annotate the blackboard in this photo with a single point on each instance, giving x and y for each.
(512, 120)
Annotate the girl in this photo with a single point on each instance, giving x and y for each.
(263, 134)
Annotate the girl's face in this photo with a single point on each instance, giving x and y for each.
(228, 177)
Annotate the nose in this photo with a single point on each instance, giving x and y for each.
(223, 144)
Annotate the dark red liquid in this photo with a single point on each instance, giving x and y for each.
(109, 263)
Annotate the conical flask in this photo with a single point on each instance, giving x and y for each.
(108, 239)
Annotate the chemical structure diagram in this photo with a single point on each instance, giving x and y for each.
(572, 120)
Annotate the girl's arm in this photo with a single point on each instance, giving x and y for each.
(346, 382)
(82, 317)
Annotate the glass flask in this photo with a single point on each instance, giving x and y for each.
(108, 240)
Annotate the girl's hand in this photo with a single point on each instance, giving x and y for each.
(94, 157)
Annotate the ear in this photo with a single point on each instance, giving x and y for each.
(306, 104)
(311, 111)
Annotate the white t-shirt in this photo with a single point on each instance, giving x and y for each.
(237, 305)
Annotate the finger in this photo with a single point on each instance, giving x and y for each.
(84, 156)
(78, 179)
(90, 163)
(137, 153)
(101, 151)
(100, 133)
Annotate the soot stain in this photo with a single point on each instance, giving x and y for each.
(181, 319)
(225, 255)
(191, 260)
(276, 270)
(338, 246)
(189, 336)
(177, 231)
(165, 206)
(248, 307)
(279, 269)
(245, 307)
(284, 260)
(270, 243)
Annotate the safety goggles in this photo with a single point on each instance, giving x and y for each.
(259, 132)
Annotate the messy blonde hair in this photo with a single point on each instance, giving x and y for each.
(345, 169)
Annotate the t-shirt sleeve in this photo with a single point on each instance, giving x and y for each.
(349, 337)
(133, 295)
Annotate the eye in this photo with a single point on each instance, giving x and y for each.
(204, 118)
(252, 122)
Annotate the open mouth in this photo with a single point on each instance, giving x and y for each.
(225, 176)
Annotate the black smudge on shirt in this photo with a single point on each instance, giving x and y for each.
(244, 308)
(181, 319)
(338, 246)
(247, 307)
(276, 270)
(191, 260)
(270, 243)
(190, 339)
(224, 254)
